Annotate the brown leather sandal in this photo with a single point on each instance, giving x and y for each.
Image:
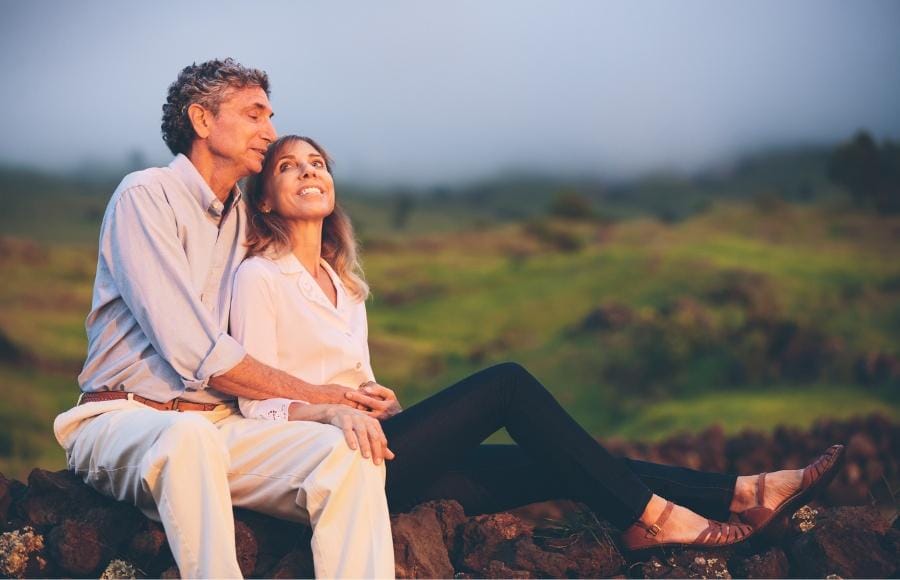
(640, 536)
(816, 477)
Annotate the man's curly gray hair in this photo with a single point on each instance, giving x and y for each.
(205, 84)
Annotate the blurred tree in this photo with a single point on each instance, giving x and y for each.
(136, 160)
(403, 205)
(768, 201)
(570, 204)
(871, 174)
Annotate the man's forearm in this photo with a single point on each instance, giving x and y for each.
(254, 380)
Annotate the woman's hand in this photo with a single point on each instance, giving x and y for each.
(381, 401)
(361, 430)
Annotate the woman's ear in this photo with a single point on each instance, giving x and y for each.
(199, 117)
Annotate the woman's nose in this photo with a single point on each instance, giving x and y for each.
(307, 170)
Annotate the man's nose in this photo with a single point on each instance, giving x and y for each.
(269, 133)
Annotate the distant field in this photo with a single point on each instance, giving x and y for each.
(741, 315)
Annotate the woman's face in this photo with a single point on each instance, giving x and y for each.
(300, 187)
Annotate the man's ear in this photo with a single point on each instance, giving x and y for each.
(200, 119)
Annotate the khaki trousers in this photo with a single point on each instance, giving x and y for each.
(188, 469)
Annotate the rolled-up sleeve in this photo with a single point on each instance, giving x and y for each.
(142, 250)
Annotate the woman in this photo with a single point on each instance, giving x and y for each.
(299, 305)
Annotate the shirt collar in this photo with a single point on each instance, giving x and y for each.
(289, 264)
(198, 187)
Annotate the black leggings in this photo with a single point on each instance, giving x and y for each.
(440, 456)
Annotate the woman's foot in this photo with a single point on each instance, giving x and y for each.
(760, 499)
(778, 486)
(664, 524)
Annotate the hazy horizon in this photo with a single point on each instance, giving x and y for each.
(404, 92)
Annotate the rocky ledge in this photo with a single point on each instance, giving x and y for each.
(56, 526)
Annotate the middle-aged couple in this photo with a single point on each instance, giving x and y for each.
(213, 381)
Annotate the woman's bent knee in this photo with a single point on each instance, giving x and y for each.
(514, 375)
(511, 369)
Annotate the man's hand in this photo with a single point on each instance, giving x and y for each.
(361, 431)
(381, 401)
(337, 395)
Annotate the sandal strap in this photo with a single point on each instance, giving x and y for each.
(654, 528)
(717, 534)
(761, 489)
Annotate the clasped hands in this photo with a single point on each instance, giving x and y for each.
(375, 400)
(359, 417)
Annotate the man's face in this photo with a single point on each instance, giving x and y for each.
(242, 130)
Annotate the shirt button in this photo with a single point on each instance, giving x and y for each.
(358, 366)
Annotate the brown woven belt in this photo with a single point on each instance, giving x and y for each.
(173, 405)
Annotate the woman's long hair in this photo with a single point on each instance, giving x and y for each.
(269, 232)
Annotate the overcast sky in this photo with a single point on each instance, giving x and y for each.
(451, 91)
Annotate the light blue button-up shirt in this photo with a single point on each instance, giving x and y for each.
(169, 249)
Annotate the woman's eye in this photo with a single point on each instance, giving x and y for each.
(318, 164)
(285, 165)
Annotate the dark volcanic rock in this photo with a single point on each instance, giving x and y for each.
(77, 549)
(149, 549)
(772, 563)
(14, 520)
(78, 531)
(420, 548)
(5, 498)
(294, 564)
(451, 517)
(586, 542)
(54, 496)
(850, 542)
(488, 538)
(274, 538)
(502, 545)
(86, 545)
(684, 564)
(247, 547)
(116, 522)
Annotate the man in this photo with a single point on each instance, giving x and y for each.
(156, 424)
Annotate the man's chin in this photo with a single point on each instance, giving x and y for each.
(253, 167)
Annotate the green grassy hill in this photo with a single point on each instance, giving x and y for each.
(749, 296)
(747, 315)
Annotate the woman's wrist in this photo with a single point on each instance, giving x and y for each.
(321, 413)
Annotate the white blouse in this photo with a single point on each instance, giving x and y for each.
(283, 319)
